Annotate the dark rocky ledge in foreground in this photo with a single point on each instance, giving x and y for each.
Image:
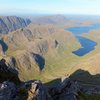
(11, 88)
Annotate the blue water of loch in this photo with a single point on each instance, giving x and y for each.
(87, 44)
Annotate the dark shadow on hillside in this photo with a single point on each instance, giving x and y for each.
(85, 77)
(39, 60)
(7, 73)
(54, 83)
(4, 45)
(80, 76)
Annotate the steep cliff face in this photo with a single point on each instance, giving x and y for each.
(11, 23)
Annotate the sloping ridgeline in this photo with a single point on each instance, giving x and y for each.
(12, 23)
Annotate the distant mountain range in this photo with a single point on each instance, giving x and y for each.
(57, 19)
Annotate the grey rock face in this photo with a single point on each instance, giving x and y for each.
(3, 27)
(11, 23)
(68, 90)
(7, 73)
(8, 91)
(36, 90)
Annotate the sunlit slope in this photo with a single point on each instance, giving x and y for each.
(41, 51)
(93, 62)
(45, 52)
(90, 62)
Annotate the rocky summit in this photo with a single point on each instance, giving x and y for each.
(11, 88)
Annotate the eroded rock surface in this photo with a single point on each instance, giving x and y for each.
(11, 23)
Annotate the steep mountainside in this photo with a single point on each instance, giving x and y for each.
(65, 88)
(11, 23)
(37, 51)
(45, 51)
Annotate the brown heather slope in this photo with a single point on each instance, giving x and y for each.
(93, 62)
(40, 51)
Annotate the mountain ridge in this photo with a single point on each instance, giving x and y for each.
(11, 23)
(33, 47)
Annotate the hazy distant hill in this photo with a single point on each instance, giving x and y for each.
(11, 23)
(54, 19)
(65, 20)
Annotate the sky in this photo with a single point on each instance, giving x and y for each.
(88, 7)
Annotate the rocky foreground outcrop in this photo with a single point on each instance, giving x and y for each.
(35, 90)
(7, 73)
(11, 88)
